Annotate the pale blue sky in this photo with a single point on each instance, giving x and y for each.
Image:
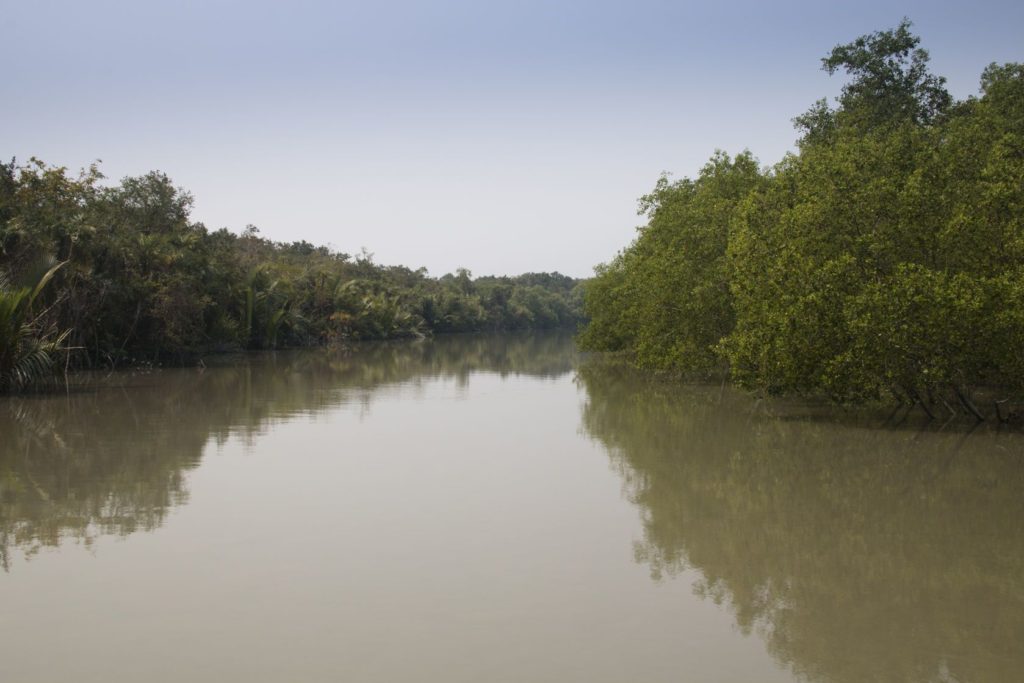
(501, 137)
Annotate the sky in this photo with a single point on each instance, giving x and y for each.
(500, 137)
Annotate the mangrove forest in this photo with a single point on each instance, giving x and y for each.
(883, 259)
(93, 275)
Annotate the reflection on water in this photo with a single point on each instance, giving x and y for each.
(858, 553)
(849, 549)
(109, 457)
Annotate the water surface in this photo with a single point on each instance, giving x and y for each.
(495, 509)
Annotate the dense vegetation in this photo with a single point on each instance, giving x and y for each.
(885, 258)
(137, 281)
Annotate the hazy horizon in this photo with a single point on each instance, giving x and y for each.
(451, 134)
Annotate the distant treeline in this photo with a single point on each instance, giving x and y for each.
(121, 275)
(885, 258)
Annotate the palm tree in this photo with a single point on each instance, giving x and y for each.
(28, 347)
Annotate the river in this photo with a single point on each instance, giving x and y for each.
(496, 508)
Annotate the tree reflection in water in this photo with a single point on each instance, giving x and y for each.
(110, 457)
(857, 552)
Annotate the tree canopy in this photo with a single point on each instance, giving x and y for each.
(883, 259)
(144, 283)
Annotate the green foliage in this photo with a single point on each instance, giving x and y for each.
(144, 283)
(884, 259)
(28, 345)
(667, 297)
(890, 79)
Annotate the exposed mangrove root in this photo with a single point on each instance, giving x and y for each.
(952, 411)
(924, 406)
(999, 410)
(968, 404)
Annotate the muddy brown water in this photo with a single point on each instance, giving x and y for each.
(495, 508)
